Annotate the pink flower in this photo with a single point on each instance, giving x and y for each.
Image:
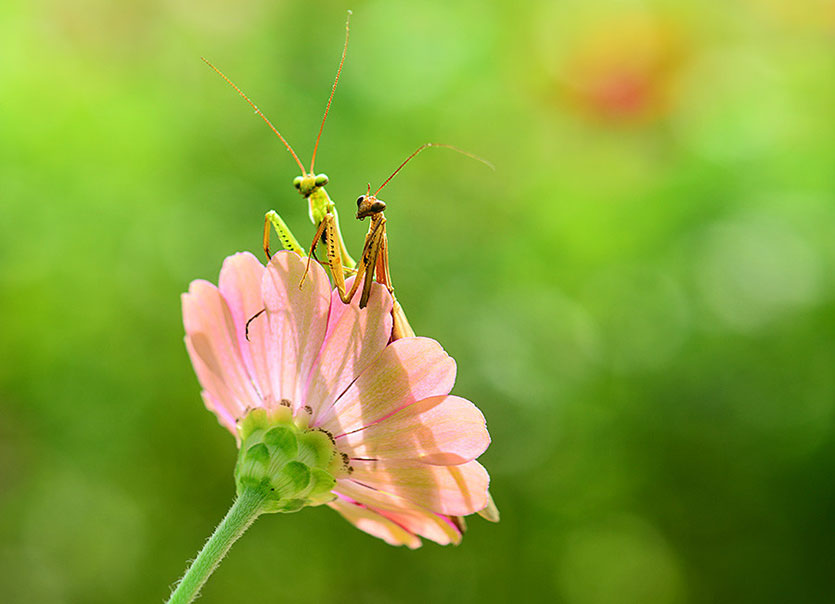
(409, 445)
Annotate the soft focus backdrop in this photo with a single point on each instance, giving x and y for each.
(640, 297)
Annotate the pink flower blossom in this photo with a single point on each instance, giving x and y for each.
(410, 446)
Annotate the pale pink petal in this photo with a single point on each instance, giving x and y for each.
(407, 371)
(451, 490)
(354, 338)
(441, 430)
(240, 285)
(375, 524)
(439, 529)
(406, 513)
(296, 320)
(212, 342)
(224, 401)
(223, 416)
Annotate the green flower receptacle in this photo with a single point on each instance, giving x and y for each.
(291, 465)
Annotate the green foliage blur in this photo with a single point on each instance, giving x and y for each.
(639, 298)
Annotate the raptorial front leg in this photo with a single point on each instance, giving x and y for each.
(365, 268)
(348, 263)
(370, 253)
(328, 233)
(383, 274)
(316, 238)
(400, 324)
(335, 253)
(288, 241)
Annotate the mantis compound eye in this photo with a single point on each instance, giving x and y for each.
(297, 182)
(321, 180)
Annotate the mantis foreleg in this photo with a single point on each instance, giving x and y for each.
(367, 263)
(328, 232)
(319, 230)
(400, 324)
(335, 252)
(288, 241)
(370, 253)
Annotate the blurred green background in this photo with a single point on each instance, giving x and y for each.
(640, 298)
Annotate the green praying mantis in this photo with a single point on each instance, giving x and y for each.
(311, 186)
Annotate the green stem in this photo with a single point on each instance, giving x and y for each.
(247, 507)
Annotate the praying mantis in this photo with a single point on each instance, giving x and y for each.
(311, 186)
(374, 258)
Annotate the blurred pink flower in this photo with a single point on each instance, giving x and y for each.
(409, 446)
(625, 69)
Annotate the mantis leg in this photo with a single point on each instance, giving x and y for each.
(400, 324)
(319, 230)
(383, 275)
(347, 262)
(365, 268)
(288, 241)
(370, 254)
(284, 234)
(329, 233)
(335, 252)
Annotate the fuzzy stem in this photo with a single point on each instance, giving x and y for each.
(247, 507)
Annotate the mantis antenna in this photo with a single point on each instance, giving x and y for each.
(258, 111)
(333, 90)
(424, 146)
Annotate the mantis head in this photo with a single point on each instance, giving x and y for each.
(369, 205)
(307, 184)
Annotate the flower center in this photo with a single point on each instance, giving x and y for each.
(291, 465)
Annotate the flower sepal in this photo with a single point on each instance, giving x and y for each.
(292, 466)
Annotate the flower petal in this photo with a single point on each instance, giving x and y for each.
(441, 430)
(406, 514)
(223, 416)
(296, 321)
(407, 371)
(212, 343)
(224, 403)
(429, 525)
(354, 338)
(240, 285)
(375, 524)
(449, 490)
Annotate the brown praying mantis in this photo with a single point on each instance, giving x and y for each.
(374, 258)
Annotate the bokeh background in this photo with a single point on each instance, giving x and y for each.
(640, 297)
